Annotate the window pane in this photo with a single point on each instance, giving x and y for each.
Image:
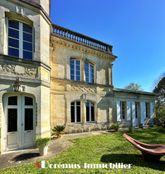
(27, 55)
(78, 103)
(27, 28)
(12, 100)
(13, 42)
(12, 120)
(28, 101)
(13, 33)
(92, 113)
(71, 62)
(28, 119)
(87, 112)
(72, 71)
(27, 46)
(27, 37)
(77, 63)
(72, 77)
(78, 78)
(78, 114)
(14, 24)
(72, 114)
(13, 52)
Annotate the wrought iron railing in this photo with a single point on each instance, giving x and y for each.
(82, 39)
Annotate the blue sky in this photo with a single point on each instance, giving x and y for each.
(135, 28)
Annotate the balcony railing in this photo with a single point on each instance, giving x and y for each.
(82, 39)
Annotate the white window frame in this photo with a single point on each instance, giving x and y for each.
(90, 111)
(75, 69)
(89, 73)
(75, 111)
(20, 38)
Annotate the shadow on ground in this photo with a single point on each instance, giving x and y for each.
(134, 159)
(25, 156)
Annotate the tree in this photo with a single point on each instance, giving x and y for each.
(160, 100)
(134, 87)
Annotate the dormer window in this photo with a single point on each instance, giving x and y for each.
(19, 40)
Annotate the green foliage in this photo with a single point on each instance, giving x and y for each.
(134, 87)
(115, 126)
(42, 142)
(160, 114)
(58, 130)
(160, 102)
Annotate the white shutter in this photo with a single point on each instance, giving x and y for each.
(128, 110)
(143, 112)
(118, 111)
(133, 114)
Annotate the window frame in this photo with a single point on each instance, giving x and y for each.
(123, 110)
(75, 75)
(147, 105)
(90, 111)
(20, 39)
(90, 81)
(75, 111)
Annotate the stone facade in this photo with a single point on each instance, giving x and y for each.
(64, 91)
(46, 94)
(34, 75)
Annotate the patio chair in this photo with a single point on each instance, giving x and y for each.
(150, 152)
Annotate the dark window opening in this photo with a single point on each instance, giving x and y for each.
(28, 119)
(75, 112)
(12, 120)
(12, 100)
(28, 101)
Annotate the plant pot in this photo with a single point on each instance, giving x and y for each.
(43, 150)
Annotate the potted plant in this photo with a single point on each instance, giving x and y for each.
(58, 130)
(42, 144)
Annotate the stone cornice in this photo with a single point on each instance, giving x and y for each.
(71, 82)
(55, 40)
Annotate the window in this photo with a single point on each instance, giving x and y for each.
(74, 69)
(147, 110)
(75, 112)
(89, 73)
(28, 101)
(90, 114)
(136, 109)
(12, 100)
(12, 120)
(28, 119)
(123, 109)
(19, 40)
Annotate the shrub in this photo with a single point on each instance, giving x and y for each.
(42, 142)
(58, 130)
(115, 126)
(160, 114)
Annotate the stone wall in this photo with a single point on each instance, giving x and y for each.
(34, 74)
(64, 91)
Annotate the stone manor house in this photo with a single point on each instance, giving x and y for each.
(50, 75)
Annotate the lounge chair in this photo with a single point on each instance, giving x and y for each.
(150, 151)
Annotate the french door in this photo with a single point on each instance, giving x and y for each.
(19, 121)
